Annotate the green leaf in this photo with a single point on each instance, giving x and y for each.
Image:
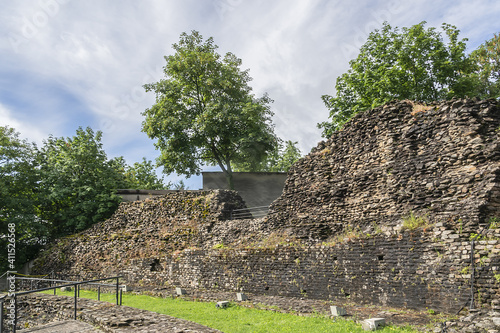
(205, 113)
(414, 63)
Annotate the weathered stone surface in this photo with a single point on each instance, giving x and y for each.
(337, 311)
(443, 163)
(67, 326)
(106, 316)
(149, 229)
(372, 324)
(336, 231)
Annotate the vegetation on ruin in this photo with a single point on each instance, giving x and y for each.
(414, 63)
(247, 317)
(412, 221)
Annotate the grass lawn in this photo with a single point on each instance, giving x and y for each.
(235, 318)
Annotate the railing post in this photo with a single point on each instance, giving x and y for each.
(1, 315)
(15, 313)
(117, 287)
(99, 293)
(76, 286)
(121, 293)
(472, 274)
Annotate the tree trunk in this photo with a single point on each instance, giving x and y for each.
(229, 175)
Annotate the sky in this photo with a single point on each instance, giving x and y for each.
(66, 64)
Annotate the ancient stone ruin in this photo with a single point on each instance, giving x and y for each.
(338, 231)
(440, 161)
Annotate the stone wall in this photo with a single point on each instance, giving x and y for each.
(423, 268)
(146, 229)
(440, 161)
(416, 270)
(337, 230)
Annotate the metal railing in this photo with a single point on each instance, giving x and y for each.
(249, 213)
(76, 285)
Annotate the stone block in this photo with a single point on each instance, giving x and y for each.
(372, 324)
(222, 304)
(337, 311)
(241, 297)
(66, 289)
(125, 288)
(180, 291)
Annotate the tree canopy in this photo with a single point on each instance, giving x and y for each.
(141, 175)
(412, 63)
(486, 59)
(61, 188)
(205, 112)
(280, 160)
(18, 192)
(78, 182)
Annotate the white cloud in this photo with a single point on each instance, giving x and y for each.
(100, 53)
(27, 130)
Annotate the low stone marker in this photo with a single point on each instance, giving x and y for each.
(180, 291)
(222, 304)
(125, 288)
(372, 324)
(337, 311)
(66, 289)
(241, 297)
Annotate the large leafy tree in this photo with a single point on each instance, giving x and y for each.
(486, 58)
(142, 175)
(412, 63)
(18, 197)
(77, 183)
(205, 112)
(280, 160)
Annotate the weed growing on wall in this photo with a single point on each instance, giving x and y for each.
(494, 222)
(412, 221)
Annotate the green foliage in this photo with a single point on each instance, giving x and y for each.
(414, 63)
(494, 222)
(205, 112)
(59, 189)
(18, 196)
(280, 160)
(77, 182)
(412, 222)
(142, 176)
(486, 58)
(475, 237)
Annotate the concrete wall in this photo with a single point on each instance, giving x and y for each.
(256, 188)
(137, 195)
